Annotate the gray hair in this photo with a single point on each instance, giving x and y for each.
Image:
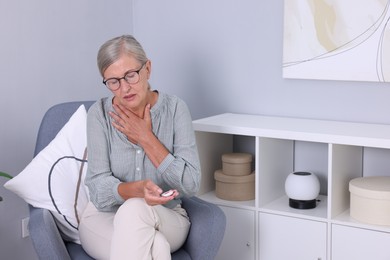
(111, 51)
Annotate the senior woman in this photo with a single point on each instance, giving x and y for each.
(140, 144)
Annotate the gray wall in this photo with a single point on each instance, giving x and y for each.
(226, 56)
(219, 56)
(47, 55)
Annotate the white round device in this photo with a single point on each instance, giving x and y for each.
(302, 188)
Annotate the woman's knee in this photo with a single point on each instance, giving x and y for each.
(133, 211)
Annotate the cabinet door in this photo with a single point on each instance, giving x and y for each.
(284, 237)
(359, 244)
(239, 239)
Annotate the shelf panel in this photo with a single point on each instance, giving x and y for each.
(281, 207)
(322, 131)
(346, 220)
(211, 197)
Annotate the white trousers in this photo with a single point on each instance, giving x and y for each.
(135, 231)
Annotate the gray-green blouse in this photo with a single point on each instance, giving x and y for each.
(113, 159)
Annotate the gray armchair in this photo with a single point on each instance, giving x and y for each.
(208, 221)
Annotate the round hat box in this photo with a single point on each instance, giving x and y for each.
(370, 200)
(236, 188)
(237, 164)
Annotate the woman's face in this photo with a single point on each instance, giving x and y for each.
(132, 96)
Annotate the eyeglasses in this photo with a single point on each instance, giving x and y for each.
(131, 77)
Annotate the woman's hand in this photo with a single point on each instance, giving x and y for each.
(134, 127)
(152, 194)
(139, 131)
(146, 189)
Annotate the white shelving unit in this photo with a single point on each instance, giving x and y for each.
(267, 228)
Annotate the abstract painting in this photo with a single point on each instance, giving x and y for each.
(337, 40)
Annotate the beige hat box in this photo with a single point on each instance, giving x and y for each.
(236, 180)
(370, 200)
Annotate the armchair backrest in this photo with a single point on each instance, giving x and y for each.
(55, 118)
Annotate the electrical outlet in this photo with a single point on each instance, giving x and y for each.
(25, 231)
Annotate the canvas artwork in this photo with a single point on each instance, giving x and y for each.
(337, 40)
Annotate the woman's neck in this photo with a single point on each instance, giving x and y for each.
(151, 99)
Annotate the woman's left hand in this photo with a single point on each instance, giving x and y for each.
(152, 194)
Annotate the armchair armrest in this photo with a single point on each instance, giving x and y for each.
(208, 224)
(45, 235)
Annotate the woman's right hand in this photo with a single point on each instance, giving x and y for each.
(152, 194)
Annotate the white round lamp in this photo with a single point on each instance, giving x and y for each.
(302, 188)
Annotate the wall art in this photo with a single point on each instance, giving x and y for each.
(337, 40)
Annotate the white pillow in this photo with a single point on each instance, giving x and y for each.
(51, 180)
